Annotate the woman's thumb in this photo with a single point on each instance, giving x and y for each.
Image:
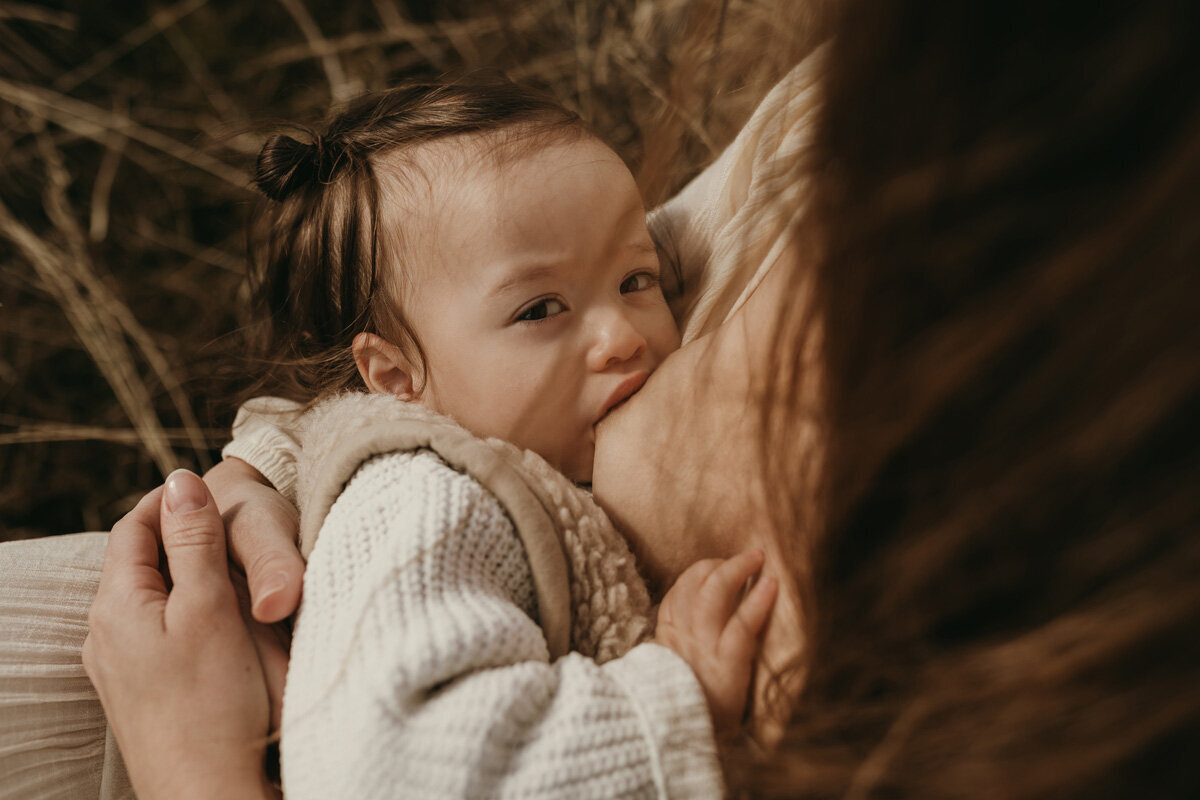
(193, 535)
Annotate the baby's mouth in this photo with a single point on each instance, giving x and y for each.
(625, 389)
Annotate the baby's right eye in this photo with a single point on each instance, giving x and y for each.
(542, 309)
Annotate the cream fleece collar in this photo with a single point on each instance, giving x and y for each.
(590, 596)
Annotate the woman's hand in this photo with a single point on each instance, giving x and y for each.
(174, 663)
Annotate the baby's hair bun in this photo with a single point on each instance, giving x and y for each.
(284, 165)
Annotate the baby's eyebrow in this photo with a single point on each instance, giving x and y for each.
(521, 276)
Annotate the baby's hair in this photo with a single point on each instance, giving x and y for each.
(315, 244)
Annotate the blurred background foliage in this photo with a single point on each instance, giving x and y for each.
(127, 135)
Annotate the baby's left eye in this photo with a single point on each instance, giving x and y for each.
(638, 283)
(542, 309)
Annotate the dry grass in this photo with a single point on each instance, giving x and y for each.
(125, 145)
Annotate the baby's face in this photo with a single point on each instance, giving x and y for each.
(533, 287)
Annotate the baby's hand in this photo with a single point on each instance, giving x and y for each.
(702, 620)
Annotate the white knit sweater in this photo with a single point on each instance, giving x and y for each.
(419, 668)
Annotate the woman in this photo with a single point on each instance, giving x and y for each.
(994, 578)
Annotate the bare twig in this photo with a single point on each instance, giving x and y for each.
(106, 306)
(130, 41)
(102, 189)
(43, 16)
(715, 58)
(463, 44)
(694, 123)
(416, 35)
(556, 64)
(523, 21)
(340, 89)
(62, 432)
(198, 69)
(582, 57)
(95, 123)
(108, 351)
(15, 50)
(214, 255)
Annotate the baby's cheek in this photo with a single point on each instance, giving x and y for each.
(667, 336)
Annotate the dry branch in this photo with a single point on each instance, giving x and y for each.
(96, 331)
(97, 124)
(135, 38)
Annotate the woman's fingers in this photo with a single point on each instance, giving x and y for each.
(694, 576)
(193, 537)
(131, 555)
(711, 621)
(131, 587)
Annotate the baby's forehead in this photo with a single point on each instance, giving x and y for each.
(437, 191)
(428, 165)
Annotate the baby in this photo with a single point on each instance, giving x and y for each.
(471, 249)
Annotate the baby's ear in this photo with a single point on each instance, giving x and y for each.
(384, 367)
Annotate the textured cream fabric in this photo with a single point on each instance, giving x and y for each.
(589, 595)
(54, 742)
(342, 433)
(418, 669)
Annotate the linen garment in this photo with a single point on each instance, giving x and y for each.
(54, 741)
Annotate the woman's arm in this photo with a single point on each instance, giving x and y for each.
(418, 669)
(175, 667)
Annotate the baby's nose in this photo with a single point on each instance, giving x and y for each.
(615, 340)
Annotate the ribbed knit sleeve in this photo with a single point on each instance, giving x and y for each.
(418, 670)
(265, 436)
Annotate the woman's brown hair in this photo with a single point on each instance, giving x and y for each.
(1003, 597)
(318, 241)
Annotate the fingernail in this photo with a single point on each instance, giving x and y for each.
(185, 492)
